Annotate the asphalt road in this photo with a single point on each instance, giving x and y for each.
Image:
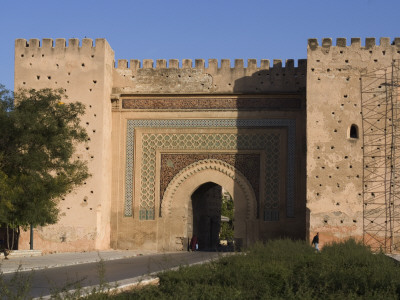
(44, 281)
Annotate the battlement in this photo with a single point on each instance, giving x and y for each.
(354, 43)
(213, 64)
(59, 43)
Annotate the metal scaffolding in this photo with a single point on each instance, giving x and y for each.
(381, 154)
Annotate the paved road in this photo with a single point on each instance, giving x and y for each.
(120, 270)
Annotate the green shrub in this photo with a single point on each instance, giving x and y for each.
(283, 269)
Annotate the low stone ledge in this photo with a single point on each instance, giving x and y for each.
(22, 253)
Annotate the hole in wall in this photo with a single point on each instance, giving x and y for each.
(37, 77)
(92, 56)
(82, 64)
(94, 81)
(375, 60)
(49, 77)
(346, 61)
(69, 73)
(22, 55)
(383, 52)
(24, 82)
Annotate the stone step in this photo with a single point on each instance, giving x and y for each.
(22, 253)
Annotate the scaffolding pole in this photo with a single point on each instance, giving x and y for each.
(381, 186)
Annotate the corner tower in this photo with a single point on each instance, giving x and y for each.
(84, 71)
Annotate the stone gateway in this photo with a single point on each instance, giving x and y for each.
(292, 145)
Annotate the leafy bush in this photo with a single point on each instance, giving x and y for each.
(284, 269)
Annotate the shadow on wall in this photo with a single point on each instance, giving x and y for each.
(276, 168)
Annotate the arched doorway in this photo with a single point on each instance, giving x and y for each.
(205, 177)
(210, 217)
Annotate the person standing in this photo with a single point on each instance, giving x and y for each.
(315, 242)
(194, 246)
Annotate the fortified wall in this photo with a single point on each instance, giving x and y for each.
(286, 142)
(85, 73)
(346, 103)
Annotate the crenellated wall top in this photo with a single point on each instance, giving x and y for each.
(213, 64)
(59, 43)
(354, 43)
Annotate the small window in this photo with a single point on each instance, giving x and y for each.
(353, 134)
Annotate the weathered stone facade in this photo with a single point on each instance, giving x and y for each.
(276, 138)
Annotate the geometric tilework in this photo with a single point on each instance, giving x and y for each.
(206, 141)
(151, 142)
(130, 139)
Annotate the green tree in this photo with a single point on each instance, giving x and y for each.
(38, 137)
(227, 210)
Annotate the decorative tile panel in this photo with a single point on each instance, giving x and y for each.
(248, 164)
(248, 103)
(227, 141)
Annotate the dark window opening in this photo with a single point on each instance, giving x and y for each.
(354, 131)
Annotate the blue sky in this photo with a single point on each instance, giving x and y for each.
(164, 29)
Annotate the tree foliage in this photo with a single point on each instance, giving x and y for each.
(38, 137)
(227, 210)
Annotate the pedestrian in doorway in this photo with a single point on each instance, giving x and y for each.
(315, 242)
(194, 245)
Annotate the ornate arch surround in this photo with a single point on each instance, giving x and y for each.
(223, 170)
